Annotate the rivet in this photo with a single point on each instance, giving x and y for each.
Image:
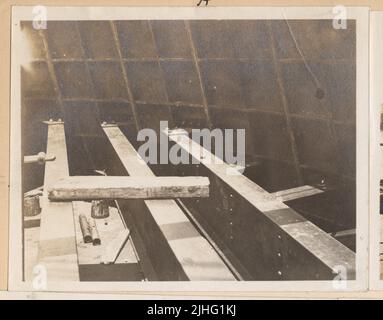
(279, 237)
(280, 273)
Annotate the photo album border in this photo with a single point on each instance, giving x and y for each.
(376, 159)
(106, 186)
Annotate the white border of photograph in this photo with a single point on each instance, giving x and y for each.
(361, 14)
(376, 160)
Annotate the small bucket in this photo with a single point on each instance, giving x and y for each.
(31, 206)
(100, 209)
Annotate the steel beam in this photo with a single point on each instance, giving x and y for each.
(57, 245)
(317, 254)
(177, 250)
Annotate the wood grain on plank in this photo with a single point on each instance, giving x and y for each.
(110, 187)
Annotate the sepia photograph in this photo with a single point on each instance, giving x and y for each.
(158, 146)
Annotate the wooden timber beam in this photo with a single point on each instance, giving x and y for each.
(318, 246)
(177, 250)
(112, 187)
(297, 193)
(57, 245)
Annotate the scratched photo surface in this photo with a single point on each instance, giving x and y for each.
(88, 87)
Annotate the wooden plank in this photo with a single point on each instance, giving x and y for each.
(327, 250)
(57, 244)
(112, 187)
(192, 253)
(297, 193)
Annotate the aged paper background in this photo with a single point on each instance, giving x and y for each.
(5, 11)
(376, 98)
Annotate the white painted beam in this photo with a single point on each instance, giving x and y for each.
(317, 242)
(57, 244)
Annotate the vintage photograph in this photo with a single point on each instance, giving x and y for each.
(186, 149)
